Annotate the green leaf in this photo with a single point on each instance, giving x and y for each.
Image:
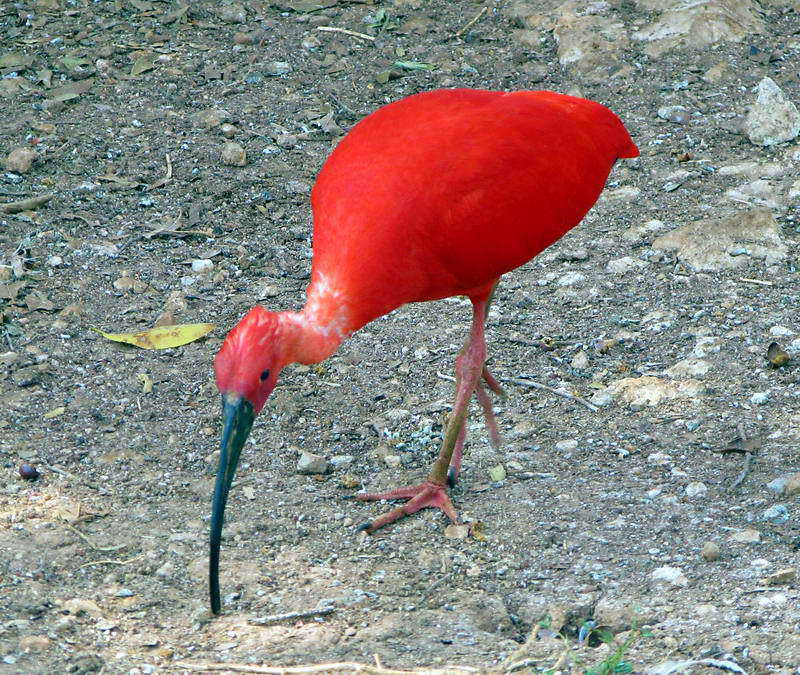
(414, 65)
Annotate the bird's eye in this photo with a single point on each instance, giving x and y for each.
(265, 375)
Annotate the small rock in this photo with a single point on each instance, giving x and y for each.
(312, 464)
(276, 68)
(232, 13)
(696, 489)
(341, 461)
(674, 113)
(566, 446)
(777, 514)
(228, 130)
(202, 265)
(497, 473)
(759, 398)
(571, 279)
(211, 118)
(166, 570)
(773, 118)
(456, 531)
(673, 576)
(625, 265)
(79, 606)
(648, 391)
(392, 461)
(580, 361)
(573, 255)
(233, 154)
(34, 643)
(778, 485)
(689, 368)
(784, 576)
(710, 551)
(20, 160)
(28, 472)
(746, 537)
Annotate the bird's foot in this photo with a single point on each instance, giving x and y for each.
(425, 495)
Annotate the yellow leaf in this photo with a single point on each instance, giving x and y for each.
(142, 65)
(163, 337)
(147, 383)
(55, 412)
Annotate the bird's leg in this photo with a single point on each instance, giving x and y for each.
(433, 492)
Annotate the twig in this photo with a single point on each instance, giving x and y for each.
(111, 562)
(436, 584)
(442, 376)
(26, 204)
(169, 166)
(320, 668)
(519, 665)
(472, 22)
(562, 394)
(104, 549)
(352, 33)
(290, 616)
(748, 460)
(61, 472)
(760, 282)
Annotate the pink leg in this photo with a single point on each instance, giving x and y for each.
(433, 492)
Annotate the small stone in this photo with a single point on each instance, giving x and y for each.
(689, 368)
(233, 154)
(566, 446)
(166, 570)
(240, 38)
(625, 265)
(696, 489)
(759, 398)
(202, 265)
(673, 576)
(232, 13)
(580, 361)
(773, 118)
(34, 643)
(228, 130)
(710, 551)
(777, 514)
(20, 160)
(80, 606)
(392, 461)
(456, 531)
(341, 461)
(746, 537)
(781, 331)
(276, 68)
(571, 279)
(312, 464)
(211, 118)
(674, 113)
(28, 472)
(497, 473)
(784, 576)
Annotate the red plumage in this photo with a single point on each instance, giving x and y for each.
(436, 195)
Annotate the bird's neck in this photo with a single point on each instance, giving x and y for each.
(317, 331)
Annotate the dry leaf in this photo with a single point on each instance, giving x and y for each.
(10, 291)
(147, 383)
(55, 412)
(163, 337)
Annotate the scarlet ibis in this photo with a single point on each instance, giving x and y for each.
(438, 194)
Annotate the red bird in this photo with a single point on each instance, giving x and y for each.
(435, 195)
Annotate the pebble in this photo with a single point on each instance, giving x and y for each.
(696, 489)
(566, 446)
(746, 537)
(228, 130)
(341, 461)
(392, 461)
(233, 13)
(781, 331)
(276, 68)
(624, 265)
(580, 361)
(674, 113)
(211, 118)
(312, 464)
(773, 118)
(571, 278)
(792, 486)
(233, 154)
(202, 265)
(710, 551)
(759, 398)
(673, 576)
(777, 514)
(20, 160)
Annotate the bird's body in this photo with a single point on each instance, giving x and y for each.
(436, 195)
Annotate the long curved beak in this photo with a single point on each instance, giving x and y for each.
(238, 415)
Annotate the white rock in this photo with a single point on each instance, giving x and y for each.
(689, 368)
(571, 278)
(759, 398)
(758, 193)
(696, 489)
(202, 265)
(707, 345)
(566, 446)
(781, 331)
(673, 576)
(773, 118)
(648, 390)
(624, 265)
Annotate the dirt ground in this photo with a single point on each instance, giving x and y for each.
(602, 513)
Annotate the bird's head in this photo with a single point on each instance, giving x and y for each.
(247, 369)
